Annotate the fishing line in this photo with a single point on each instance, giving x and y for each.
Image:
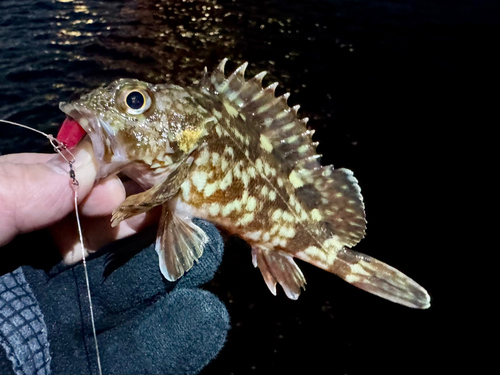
(61, 148)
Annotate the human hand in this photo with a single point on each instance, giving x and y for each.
(36, 193)
(145, 324)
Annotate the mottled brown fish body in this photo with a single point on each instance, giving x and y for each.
(237, 156)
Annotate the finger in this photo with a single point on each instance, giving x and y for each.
(85, 167)
(103, 198)
(26, 158)
(97, 233)
(34, 196)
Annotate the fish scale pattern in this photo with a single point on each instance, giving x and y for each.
(23, 333)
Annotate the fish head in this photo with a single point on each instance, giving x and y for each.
(132, 124)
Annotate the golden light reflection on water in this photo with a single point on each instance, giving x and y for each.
(73, 28)
(70, 32)
(155, 38)
(205, 19)
(81, 9)
(88, 22)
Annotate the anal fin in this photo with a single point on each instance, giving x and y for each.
(279, 267)
(179, 242)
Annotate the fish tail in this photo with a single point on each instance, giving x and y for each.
(373, 276)
(378, 278)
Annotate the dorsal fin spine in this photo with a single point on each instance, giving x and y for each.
(303, 148)
(222, 65)
(205, 84)
(281, 114)
(288, 126)
(240, 71)
(257, 96)
(258, 77)
(272, 87)
(269, 105)
(306, 160)
(309, 133)
(274, 118)
(291, 139)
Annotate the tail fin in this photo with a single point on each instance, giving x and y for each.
(378, 278)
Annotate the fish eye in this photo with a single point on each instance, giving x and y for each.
(137, 102)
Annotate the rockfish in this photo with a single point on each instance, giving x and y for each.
(229, 151)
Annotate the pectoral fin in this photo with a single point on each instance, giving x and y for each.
(157, 195)
(179, 242)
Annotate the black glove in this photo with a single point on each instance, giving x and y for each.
(145, 324)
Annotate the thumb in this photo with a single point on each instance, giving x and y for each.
(36, 193)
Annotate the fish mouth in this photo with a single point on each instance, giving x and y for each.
(107, 150)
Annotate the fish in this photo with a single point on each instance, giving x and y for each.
(229, 151)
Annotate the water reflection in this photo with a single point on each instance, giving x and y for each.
(150, 39)
(53, 49)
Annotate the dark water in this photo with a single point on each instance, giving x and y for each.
(383, 82)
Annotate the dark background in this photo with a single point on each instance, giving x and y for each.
(387, 86)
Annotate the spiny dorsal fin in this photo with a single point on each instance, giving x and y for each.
(288, 135)
(334, 194)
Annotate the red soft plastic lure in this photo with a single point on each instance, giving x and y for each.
(70, 133)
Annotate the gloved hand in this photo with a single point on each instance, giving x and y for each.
(145, 324)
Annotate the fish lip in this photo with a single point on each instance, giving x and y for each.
(110, 154)
(89, 122)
